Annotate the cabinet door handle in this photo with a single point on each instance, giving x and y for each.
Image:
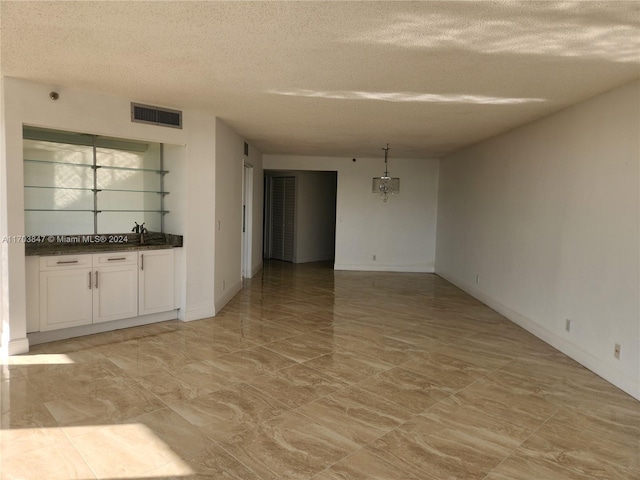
(115, 259)
(89, 280)
(96, 279)
(142, 261)
(66, 262)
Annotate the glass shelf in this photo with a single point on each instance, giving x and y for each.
(60, 188)
(96, 189)
(136, 211)
(106, 167)
(132, 191)
(135, 169)
(125, 177)
(55, 210)
(53, 162)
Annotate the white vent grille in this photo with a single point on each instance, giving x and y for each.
(156, 115)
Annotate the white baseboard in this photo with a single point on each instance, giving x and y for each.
(372, 267)
(18, 346)
(221, 302)
(256, 269)
(315, 258)
(580, 355)
(65, 333)
(197, 313)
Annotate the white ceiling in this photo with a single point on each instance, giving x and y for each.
(334, 78)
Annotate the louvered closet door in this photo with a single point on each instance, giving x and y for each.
(277, 217)
(283, 197)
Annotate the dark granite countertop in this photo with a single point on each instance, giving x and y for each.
(110, 242)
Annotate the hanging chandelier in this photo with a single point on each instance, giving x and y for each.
(386, 185)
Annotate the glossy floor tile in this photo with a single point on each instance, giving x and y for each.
(314, 374)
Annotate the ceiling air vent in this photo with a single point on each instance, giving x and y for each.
(156, 115)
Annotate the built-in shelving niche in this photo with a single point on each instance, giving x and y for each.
(88, 184)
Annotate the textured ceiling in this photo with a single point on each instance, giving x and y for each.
(334, 78)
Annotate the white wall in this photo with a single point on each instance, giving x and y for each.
(228, 214)
(199, 204)
(255, 160)
(4, 253)
(175, 161)
(547, 216)
(401, 232)
(28, 103)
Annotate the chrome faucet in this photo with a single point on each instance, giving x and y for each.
(143, 230)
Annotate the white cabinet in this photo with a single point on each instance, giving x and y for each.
(66, 295)
(156, 281)
(115, 286)
(79, 290)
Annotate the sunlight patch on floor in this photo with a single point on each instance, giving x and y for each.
(40, 359)
(112, 451)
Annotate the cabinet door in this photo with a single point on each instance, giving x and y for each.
(65, 298)
(115, 293)
(155, 281)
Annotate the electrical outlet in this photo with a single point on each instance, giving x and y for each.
(374, 258)
(616, 351)
(219, 224)
(567, 325)
(224, 284)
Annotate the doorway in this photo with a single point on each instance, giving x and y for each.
(300, 215)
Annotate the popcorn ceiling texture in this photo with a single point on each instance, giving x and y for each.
(333, 78)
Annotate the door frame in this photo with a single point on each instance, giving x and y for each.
(247, 219)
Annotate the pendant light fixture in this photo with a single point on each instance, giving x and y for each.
(386, 185)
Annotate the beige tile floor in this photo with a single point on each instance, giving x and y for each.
(311, 373)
